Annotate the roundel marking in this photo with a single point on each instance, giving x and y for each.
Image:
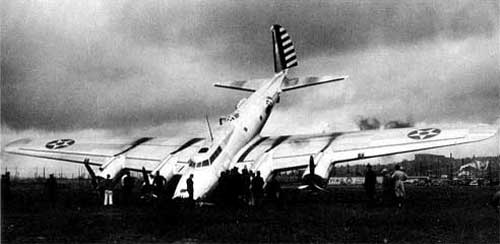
(421, 134)
(56, 144)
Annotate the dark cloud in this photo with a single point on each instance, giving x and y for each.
(126, 64)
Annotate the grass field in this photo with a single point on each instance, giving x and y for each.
(431, 215)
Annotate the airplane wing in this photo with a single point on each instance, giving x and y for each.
(242, 85)
(296, 83)
(293, 151)
(144, 152)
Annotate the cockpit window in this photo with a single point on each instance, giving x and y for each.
(198, 164)
(205, 163)
(203, 150)
(215, 154)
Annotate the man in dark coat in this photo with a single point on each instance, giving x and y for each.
(370, 182)
(257, 188)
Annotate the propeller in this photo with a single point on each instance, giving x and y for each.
(311, 180)
(145, 176)
(91, 172)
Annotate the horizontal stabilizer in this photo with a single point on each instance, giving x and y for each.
(296, 83)
(242, 85)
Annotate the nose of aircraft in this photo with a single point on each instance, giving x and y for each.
(203, 181)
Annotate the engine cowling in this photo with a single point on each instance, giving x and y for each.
(264, 164)
(166, 168)
(112, 168)
(316, 175)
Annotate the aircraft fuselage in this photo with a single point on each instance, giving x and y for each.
(245, 123)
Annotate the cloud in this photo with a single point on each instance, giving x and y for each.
(132, 64)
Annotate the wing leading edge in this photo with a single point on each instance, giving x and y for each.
(137, 152)
(288, 152)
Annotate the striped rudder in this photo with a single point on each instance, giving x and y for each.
(284, 52)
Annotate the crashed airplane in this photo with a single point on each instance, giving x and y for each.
(242, 144)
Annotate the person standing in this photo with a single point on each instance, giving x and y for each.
(127, 186)
(399, 176)
(257, 189)
(190, 187)
(370, 183)
(387, 187)
(108, 191)
(6, 188)
(245, 184)
(158, 184)
(51, 186)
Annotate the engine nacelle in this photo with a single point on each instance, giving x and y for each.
(264, 164)
(166, 168)
(112, 168)
(322, 167)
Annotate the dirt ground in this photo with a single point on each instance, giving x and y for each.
(444, 214)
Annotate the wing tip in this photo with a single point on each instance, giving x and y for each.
(482, 132)
(14, 145)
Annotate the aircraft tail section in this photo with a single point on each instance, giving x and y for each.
(283, 49)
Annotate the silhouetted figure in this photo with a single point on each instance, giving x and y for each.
(159, 183)
(108, 191)
(6, 194)
(274, 190)
(257, 189)
(190, 188)
(234, 183)
(387, 187)
(399, 188)
(370, 183)
(245, 185)
(127, 186)
(51, 187)
(222, 187)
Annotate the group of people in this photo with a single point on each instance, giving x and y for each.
(236, 188)
(393, 189)
(154, 191)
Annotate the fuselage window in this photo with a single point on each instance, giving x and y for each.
(203, 150)
(245, 129)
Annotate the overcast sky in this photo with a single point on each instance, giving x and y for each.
(134, 67)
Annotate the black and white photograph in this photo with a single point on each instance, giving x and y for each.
(323, 121)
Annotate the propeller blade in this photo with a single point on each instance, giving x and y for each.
(302, 187)
(91, 172)
(320, 188)
(145, 176)
(311, 165)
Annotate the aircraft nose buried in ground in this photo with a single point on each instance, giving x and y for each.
(241, 143)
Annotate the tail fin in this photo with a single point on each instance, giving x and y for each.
(284, 52)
